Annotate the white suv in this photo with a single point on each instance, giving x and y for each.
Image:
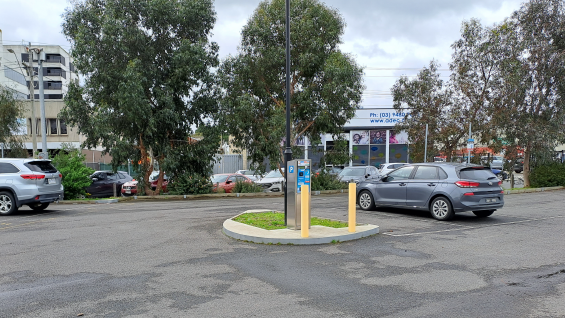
(31, 182)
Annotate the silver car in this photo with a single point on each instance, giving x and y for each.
(31, 182)
(443, 189)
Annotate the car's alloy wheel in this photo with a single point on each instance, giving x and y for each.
(7, 204)
(366, 201)
(441, 209)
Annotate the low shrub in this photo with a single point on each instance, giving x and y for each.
(245, 187)
(327, 181)
(70, 163)
(190, 184)
(550, 175)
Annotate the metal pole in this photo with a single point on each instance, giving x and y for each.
(288, 150)
(469, 149)
(305, 147)
(42, 103)
(426, 146)
(32, 96)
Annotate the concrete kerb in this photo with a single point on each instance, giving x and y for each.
(318, 234)
(250, 195)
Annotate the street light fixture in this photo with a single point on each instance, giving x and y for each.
(32, 99)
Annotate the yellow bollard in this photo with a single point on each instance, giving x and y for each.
(304, 209)
(352, 195)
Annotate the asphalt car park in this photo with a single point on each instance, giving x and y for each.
(169, 259)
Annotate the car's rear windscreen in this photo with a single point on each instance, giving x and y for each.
(41, 166)
(476, 174)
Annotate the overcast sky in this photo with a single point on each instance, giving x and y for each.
(387, 37)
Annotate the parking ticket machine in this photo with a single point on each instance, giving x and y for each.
(299, 174)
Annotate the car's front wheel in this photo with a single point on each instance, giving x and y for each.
(39, 206)
(441, 209)
(366, 201)
(7, 203)
(484, 214)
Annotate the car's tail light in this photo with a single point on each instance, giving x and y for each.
(467, 184)
(500, 183)
(502, 191)
(469, 193)
(60, 176)
(32, 176)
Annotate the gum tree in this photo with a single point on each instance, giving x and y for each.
(326, 84)
(147, 81)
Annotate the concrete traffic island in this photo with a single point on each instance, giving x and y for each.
(318, 234)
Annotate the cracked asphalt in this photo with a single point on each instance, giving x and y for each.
(171, 259)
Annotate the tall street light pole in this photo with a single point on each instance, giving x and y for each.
(288, 150)
(40, 59)
(32, 100)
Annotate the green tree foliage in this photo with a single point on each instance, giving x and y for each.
(507, 81)
(529, 102)
(70, 163)
(148, 81)
(326, 84)
(431, 101)
(11, 110)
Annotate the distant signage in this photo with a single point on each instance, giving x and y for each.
(377, 117)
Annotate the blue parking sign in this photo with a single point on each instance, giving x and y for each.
(291, 169)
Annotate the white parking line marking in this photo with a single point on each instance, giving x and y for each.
(474, 227)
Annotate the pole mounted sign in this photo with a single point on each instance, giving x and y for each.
(470, 143)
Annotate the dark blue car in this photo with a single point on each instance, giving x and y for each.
(443, 189)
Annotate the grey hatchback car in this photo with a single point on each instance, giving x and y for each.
(31, 182)
(443, 189)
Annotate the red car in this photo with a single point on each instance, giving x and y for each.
(227, 181)
(163, 185)
(129, 188)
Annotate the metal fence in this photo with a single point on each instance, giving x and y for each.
(227, 163)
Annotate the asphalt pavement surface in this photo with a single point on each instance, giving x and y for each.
(171, 259)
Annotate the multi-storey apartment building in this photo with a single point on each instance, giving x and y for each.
(58, 73)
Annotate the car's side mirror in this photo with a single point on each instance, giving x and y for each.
(94, 179)
(228, 182)
(384, 179)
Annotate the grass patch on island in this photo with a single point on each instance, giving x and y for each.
(275, 220)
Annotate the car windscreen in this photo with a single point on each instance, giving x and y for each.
(356, 172)
(219, 178)
(274, 174)
(40, 166)
(476, 174)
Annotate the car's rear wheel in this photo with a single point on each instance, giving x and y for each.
(366, 201)
(484, 214)
(39, 206)
(441, 209)
(7, 203)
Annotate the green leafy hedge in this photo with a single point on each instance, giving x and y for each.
(245, 187)
(326, 181)
(190, 184)
(550, 175)
(70, 163)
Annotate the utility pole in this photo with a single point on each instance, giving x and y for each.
(32, 97)
(40, 59)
